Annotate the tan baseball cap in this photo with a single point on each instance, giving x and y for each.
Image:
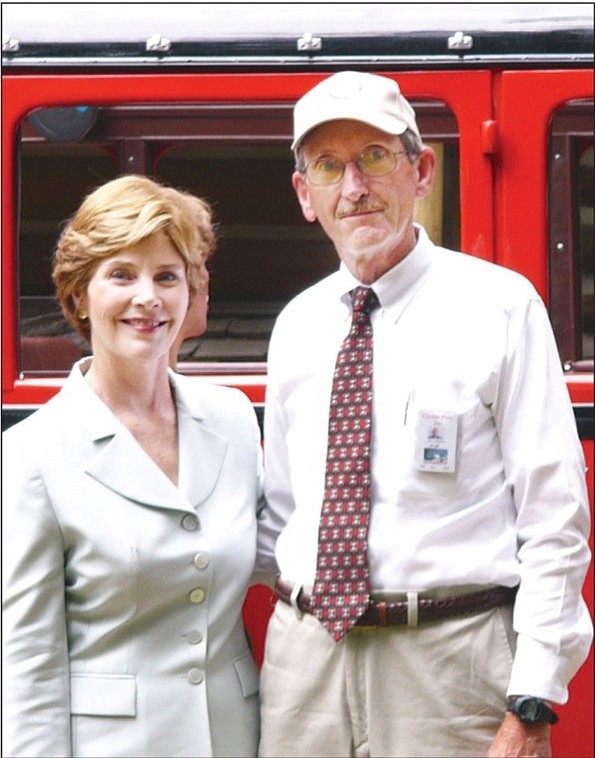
(373, 99)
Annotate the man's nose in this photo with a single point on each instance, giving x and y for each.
(354, 181)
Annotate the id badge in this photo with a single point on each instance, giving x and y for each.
(436, 447)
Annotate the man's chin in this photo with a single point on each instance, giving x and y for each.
(368, 263)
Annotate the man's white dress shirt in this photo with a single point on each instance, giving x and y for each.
(461, 338)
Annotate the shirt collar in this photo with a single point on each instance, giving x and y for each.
(393, 287)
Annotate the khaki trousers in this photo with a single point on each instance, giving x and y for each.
(434, 690)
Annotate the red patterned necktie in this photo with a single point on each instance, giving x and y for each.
(342, 586)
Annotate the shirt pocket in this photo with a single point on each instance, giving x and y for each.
(103, 695)
(440, 485)
(247, 674)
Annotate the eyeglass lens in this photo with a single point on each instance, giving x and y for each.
(375, 160)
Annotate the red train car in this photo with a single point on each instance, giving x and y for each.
(200, 95)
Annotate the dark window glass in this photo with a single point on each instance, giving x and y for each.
(236, 156)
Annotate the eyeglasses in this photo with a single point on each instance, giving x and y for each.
(375, 160)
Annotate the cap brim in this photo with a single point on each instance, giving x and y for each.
(388, 124)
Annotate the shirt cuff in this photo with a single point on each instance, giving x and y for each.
(539, 671)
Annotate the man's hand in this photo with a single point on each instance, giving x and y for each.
(517, 740)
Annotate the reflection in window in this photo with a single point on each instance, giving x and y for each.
(266, 251)
(238, 158)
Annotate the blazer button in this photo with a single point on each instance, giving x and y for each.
(197, 595)
(190, 522)
(195, 676)
(201, 560)
(194, 637)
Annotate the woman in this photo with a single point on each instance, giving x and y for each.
(130, 506)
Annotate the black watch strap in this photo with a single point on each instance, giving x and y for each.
(531, 710)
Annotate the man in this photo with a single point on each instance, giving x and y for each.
(430, 569)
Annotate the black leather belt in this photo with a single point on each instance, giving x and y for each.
(381, 613)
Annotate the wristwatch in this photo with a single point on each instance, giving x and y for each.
(531, 710)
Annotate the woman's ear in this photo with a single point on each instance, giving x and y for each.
(78, 298)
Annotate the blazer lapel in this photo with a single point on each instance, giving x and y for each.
(202, 449)
(202, 452)
(124, 467)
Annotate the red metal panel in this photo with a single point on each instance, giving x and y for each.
(580, 387)
(524, 104)
(9, 262)
(468, 94)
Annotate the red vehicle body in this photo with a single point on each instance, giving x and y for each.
(510, 99)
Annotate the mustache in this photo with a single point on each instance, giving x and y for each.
(362, 206)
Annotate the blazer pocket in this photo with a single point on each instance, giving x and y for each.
(247, 674)
(103, 694)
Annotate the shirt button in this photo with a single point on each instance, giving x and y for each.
(201, 560)
(197, 595)
(190, 522)
(194, 637)
(195, 676)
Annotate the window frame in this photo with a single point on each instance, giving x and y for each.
(570, 125)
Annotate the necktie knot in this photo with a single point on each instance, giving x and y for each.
(363, 299)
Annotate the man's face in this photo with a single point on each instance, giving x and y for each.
(369, 219)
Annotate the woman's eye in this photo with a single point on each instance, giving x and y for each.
(120, 273)
(168, 276)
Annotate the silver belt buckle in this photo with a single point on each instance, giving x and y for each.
(412, 608)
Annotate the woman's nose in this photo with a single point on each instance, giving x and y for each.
(146, 293)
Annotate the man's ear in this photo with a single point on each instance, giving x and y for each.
(303, 193)
(426, 169)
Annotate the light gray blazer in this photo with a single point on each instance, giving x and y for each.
(122, 593)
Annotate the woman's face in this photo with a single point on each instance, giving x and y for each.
(137, 300)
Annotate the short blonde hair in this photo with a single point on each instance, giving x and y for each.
(121, 213)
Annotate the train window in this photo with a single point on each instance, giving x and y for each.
(267, 252)
(571, 230)
(53, 180)
(238, 158)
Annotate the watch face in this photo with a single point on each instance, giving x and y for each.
(530, 709)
